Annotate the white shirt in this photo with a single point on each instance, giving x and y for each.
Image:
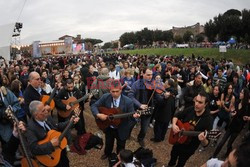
(116, 102)
(214, 162)
(112, 74)
(43, 124)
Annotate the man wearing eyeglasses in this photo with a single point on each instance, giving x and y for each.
(33, 91)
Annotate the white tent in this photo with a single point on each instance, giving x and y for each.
(6, 32)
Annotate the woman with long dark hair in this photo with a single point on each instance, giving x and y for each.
(236, 124)
(215, 101)
(227, 105)
(16, 88)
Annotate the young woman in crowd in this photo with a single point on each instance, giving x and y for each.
(238, 121)
(227, 105)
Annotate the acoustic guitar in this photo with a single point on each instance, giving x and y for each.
(74, 103)
(26, 160)
(48, 100)
(54, 158)
(183, 137)
(115, 116)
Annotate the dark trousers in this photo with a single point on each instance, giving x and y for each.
(179, 154)
(145, 120)
(228, 134)
(79, 126)
(160, 130)
(64, 161)
(110, 135)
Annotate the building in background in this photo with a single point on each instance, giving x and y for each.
(64, 45)
(195, 29)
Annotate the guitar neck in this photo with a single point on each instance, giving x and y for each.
(69, 125)
(81, 99)
(25, 152)
(190, 133)
(51, 96)
(123, 115)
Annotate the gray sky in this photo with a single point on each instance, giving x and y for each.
(47, 20)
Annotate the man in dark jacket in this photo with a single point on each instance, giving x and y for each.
(192, 90)
(115, 99)
(38, 126)
(68, 91)
(33, 91)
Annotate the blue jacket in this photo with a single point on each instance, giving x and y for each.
(126, 106)
(6, 128)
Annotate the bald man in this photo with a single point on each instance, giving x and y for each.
(33, 91)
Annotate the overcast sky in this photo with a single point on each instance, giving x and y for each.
(47, 20)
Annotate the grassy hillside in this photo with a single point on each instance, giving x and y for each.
(238, 56)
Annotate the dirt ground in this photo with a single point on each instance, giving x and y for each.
(161, 150)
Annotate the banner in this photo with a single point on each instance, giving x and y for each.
(222, 49)
(36, 49)
(68, 45)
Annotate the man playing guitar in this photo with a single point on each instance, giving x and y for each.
(38, 126)
(199, 118)
(70, 91)
(115, 99)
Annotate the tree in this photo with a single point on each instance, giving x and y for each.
(210, 30)
(187, 36)
(128, 38)
(147, 36)
(246, 26)
(92, 41)
(115, 45)
(224, 26)
(107, 45)
(199, 38)
(157, 35)
(232, 12)
(178, 39)
(144, 37)
(167, 36)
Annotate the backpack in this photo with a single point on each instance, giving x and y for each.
(86, 142)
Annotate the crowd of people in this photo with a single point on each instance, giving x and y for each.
(205, 93)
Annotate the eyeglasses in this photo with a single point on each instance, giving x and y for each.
(37, 79)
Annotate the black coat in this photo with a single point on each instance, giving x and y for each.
(64, 95)
(165, 109)
(35, 133)
(126, 106)
(29, 95)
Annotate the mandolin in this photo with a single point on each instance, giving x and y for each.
(54, 158)
(26, 160)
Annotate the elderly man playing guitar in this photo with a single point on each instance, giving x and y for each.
(45, 142)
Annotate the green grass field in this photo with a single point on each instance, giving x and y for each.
(239, 57)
